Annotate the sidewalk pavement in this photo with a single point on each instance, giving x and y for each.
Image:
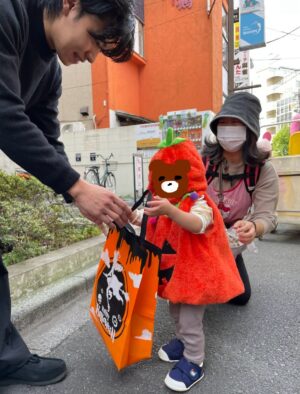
(252, 349)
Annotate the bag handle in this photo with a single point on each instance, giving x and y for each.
(140, 200)
(145, 217)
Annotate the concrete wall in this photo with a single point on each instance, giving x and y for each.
(7, 165)
(120, 141)
(76, 93)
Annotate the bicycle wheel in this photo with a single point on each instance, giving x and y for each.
(110, 182)
(92, 177)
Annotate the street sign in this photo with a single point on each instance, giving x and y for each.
(241, 59)
(138, 175)
(252, 24)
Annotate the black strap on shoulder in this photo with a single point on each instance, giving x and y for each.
(211, 169)
(252, 174)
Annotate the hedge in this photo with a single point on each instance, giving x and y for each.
(33, 220)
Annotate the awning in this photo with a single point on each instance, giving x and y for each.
(127, 119)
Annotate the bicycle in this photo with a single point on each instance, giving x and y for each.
(108, 180)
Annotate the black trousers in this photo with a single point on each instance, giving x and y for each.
(13, 351)
(242, 299)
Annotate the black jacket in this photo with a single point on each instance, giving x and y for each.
(30, 86)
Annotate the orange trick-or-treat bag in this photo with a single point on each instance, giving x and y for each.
(124, 296)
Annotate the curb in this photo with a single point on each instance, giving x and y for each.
(41, 292)
(36, 303)
(31, 275)
(50, 298)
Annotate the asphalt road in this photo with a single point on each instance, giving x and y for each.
(251, 350)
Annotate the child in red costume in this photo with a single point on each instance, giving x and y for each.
(198, 267)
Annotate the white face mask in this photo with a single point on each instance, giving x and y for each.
(231, 138)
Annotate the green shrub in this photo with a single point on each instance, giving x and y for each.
(34, 220)
(280, 141)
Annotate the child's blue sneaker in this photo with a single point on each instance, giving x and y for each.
(184, 375)
(172, 351)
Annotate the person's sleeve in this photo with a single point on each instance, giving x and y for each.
(20, 139)
(265, 198)
(44, 114)
(204, 213)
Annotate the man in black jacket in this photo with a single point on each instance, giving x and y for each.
(33, 34)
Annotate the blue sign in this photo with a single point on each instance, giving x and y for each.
(252, 31)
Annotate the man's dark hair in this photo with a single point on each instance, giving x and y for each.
(251, 155)
(118, 18)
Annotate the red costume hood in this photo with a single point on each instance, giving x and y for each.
(184, 150)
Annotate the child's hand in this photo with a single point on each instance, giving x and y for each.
(245, 231)
(158, 206)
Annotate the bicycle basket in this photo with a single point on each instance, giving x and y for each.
(111, 165)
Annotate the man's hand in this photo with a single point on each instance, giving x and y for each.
(245, 230)
(99, 204)
(158, 206)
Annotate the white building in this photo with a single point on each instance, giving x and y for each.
(280, 96)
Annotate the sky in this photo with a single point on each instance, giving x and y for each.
(280, 17)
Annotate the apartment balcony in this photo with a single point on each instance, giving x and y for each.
(273, 96)
(274, 76)
(271, 115)
(272, 129)
(270, 120)
(270, 106)
(274, 80)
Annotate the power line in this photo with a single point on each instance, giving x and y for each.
(282, 31)
(286, 34)
(277, 58)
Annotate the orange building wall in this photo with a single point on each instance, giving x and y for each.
(182, 70)
(179, 46)
(119, 84)
(124, 86)
(100, 91)
(216, 66)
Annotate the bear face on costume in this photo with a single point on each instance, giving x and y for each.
(170, 180)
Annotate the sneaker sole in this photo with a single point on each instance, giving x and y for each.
(10, 382)
(164, 357)
(171, 384)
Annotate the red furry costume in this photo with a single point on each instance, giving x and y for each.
(204, 271)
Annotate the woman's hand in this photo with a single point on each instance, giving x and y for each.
(245, 230)
(158, 206)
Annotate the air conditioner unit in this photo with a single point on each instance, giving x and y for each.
(72, 127)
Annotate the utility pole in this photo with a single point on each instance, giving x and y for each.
(231, 61)
(230, 48)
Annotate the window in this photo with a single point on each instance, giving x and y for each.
(77, 156)
(225, 52)
(224, 82)
(224, 23)
(93, 156)
(139, 9)
(139, 37)
(139, 27)
(225, 38)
